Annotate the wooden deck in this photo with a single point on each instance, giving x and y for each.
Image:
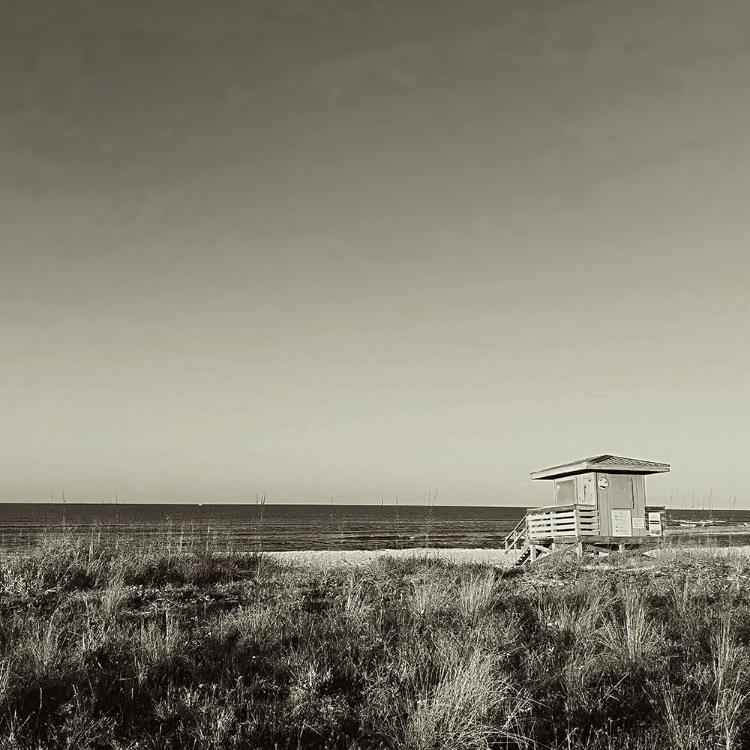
(543, 531)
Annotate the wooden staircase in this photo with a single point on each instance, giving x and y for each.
(526, 550)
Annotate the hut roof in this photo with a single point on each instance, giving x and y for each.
(605, 462)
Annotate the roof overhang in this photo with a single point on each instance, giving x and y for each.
(605, 463)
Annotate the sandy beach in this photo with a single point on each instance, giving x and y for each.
(497, 557)
(327, 558)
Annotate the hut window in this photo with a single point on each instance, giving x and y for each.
(621, 491)
(565, 491)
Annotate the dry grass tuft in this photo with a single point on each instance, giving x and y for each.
(475, 593)
(470, 707)
(629, 635)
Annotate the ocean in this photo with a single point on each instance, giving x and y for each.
(281, 527)
(248, 527)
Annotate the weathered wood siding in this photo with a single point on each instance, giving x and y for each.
(586, 489)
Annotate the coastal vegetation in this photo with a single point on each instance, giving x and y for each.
(149, 648)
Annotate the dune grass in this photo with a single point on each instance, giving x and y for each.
(149, 649)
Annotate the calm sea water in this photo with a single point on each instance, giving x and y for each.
(277, 527)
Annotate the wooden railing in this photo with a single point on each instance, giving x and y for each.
(516, 537)
(562, 520)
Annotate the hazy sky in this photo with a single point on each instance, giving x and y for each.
(366, 249)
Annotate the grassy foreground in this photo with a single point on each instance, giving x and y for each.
(103, 649)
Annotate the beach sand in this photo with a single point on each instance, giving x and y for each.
(497, 557)
(328, 558)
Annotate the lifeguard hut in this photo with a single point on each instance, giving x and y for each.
(600, 502)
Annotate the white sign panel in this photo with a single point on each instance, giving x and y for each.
(654, 523)
(639, 523)
(621, 522)
(603, 483)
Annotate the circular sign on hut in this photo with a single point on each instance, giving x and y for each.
(603, 483)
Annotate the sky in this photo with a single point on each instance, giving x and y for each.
(324, 249)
